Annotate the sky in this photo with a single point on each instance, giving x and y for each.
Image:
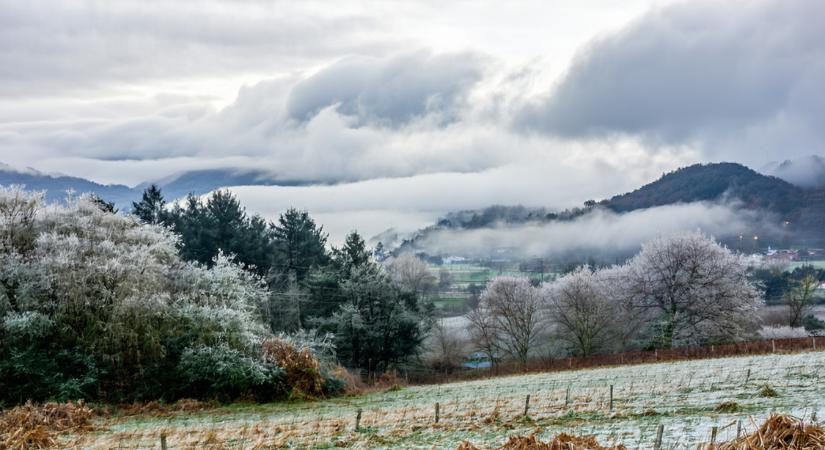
(401, 111)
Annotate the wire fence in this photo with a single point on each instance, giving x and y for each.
(623, 358)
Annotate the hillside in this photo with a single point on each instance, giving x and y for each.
(686, 397)
(794, 215)
(713, 182)
(56, 186)
(176, 186)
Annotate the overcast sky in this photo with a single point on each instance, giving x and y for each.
(413, 108)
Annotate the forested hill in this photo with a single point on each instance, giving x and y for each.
(179, 185)
(56, 186)
(713, 182)
(799, 213)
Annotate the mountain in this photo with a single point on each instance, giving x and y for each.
(203, 181)
(197, 182)
(807, 172)
(713, 182)
(794, 215)
(56, 186)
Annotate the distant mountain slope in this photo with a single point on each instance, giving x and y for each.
(56, 186)
(712, 182)
(799, 214)
(807, 172)
(197, 182)
(203, 181)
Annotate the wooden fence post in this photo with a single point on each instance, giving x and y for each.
(567, 397)
(713, 432)
(738, 428)
(611, 397)
(773, 345)
(813, 342)
(358, 420)
(748, 376)
(659, 431)
(163, 440)
(436, 411)
(526, 405)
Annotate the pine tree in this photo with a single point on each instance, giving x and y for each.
(150, 209)
(299, 244)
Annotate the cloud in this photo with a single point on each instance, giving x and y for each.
(391, 91)
(601, 232)
(49, 47)
(740, 79)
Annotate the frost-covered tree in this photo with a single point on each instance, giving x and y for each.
(800, 299)
(583, 314)
(101, 306)
(511, 309)
(410, 273)
(692, 288)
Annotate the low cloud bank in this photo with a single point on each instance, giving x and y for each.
(600, 233)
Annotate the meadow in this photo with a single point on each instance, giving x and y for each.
(688, 398)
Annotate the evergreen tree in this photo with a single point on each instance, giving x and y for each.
(299, 244)
(352, 255)
(379, 325)
(150, 209)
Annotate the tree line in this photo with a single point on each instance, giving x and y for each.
(197, 299)
(684, 290)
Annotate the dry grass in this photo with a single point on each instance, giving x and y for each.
(727, 407)
(563, 441)
(155, 409)
(32, 426)
(779, 432)
(301, 367)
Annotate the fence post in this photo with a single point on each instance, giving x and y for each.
(526, 405)
(163, 440)
(713, 432)
(567, 397)
(773, 345)
(358, 420)
(659, 431)
(436, 411)
(611, 397)
(813, 342)
(738, 428)
(748, 376)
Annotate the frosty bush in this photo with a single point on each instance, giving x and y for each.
(99, 306)
(783, 332)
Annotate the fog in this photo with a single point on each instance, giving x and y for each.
(600, 233)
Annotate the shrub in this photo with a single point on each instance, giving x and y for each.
(812, 323)
(302, 371)
(224, 373)
(783, 332)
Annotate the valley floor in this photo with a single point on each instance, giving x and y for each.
(684, 396)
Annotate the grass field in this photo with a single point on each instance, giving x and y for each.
(796, 264)
(683, 396)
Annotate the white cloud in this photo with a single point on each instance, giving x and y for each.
(741, 80)
(601, 232)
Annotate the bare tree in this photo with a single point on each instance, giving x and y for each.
(694, 288)
(484, 334)
(446, 345)
(799, 299)
(18, 209)
(512, 307)
(410, 273)
(583, 315)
